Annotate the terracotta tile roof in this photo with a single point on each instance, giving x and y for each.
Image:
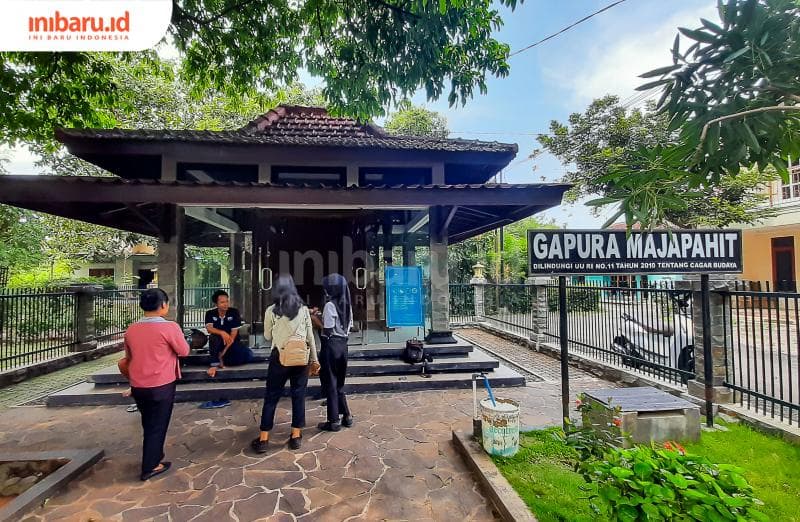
(298, 126)
(114, 180)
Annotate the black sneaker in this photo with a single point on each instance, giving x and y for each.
(347, 421)
(329, 426)
(295, 442)
(259, 446)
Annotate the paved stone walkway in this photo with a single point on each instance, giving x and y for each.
(396, 463)
(544, 366)
(36, 387)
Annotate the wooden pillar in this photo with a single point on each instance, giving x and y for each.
(171, 259)
(440, 282)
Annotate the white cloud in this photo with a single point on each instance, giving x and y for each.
(617, 58)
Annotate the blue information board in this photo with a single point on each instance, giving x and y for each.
(404, 298)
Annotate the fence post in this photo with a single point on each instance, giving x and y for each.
(539, 308)
(716, 391)
(85, 332)
(478, 283)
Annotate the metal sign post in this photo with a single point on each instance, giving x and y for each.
(708, 372)
(583, 252)
(564, 341)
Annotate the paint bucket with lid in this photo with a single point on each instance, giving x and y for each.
(500, 426)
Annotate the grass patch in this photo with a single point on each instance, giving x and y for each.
(771, 466)
(542, 472)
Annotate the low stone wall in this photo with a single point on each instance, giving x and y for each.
(20, 374)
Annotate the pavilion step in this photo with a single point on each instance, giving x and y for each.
(472, 362)
(88, 394)
(371, 351)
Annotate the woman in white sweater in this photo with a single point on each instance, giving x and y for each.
(286, 319)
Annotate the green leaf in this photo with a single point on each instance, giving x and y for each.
(621, 472)
(734, 55)
(660, 71)
(698, 35)
(650, 85)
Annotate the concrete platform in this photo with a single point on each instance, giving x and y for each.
(371, 351)
(474, 362)
(87, 394)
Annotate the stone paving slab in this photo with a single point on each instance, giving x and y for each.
(544, 366)
(41, 385)
(396, 463)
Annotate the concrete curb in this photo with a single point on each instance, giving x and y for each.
(509, 505)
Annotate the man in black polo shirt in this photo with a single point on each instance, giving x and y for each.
(224, 345)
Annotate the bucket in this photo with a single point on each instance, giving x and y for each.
(500, 427)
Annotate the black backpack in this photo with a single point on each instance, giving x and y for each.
(414, 352)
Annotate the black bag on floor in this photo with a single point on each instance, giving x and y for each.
(414, 352)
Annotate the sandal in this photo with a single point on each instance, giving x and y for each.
(164, 467)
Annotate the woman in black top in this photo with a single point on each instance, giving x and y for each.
(337, 320)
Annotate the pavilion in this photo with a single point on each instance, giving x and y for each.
(297, 191)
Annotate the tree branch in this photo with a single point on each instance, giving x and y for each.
(207, 21)
(738, 115)
(395, 8)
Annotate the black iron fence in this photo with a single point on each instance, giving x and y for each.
(510, 307)
(35, 325)
(462, 304)
(762, 350)
(196, 301)
(648, 329)
(113, 311)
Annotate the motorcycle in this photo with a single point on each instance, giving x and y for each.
(659, 349)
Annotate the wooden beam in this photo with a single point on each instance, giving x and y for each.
(213, 218)
(264, 172)
(200, 152)
(135, 211)
(448, 219)
(54, 189)
(169, 168)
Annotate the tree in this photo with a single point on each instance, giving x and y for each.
(733, 96)
(161, 100)
(20, 238)
(410, 120)
(608, 135)
(368, 52)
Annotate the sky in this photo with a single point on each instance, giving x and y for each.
(602, 56)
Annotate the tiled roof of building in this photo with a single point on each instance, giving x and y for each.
(299, 126)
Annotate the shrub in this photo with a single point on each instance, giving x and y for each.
(658, 483)
(586, 299)
(651, 483)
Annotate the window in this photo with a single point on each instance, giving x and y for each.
(791, 190)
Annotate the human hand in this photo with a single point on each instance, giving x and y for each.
(313, 369)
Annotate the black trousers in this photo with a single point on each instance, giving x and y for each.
(236, 355)
(333, 370)
(155, 406)
(277, 375)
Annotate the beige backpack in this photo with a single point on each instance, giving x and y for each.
(295, 351)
